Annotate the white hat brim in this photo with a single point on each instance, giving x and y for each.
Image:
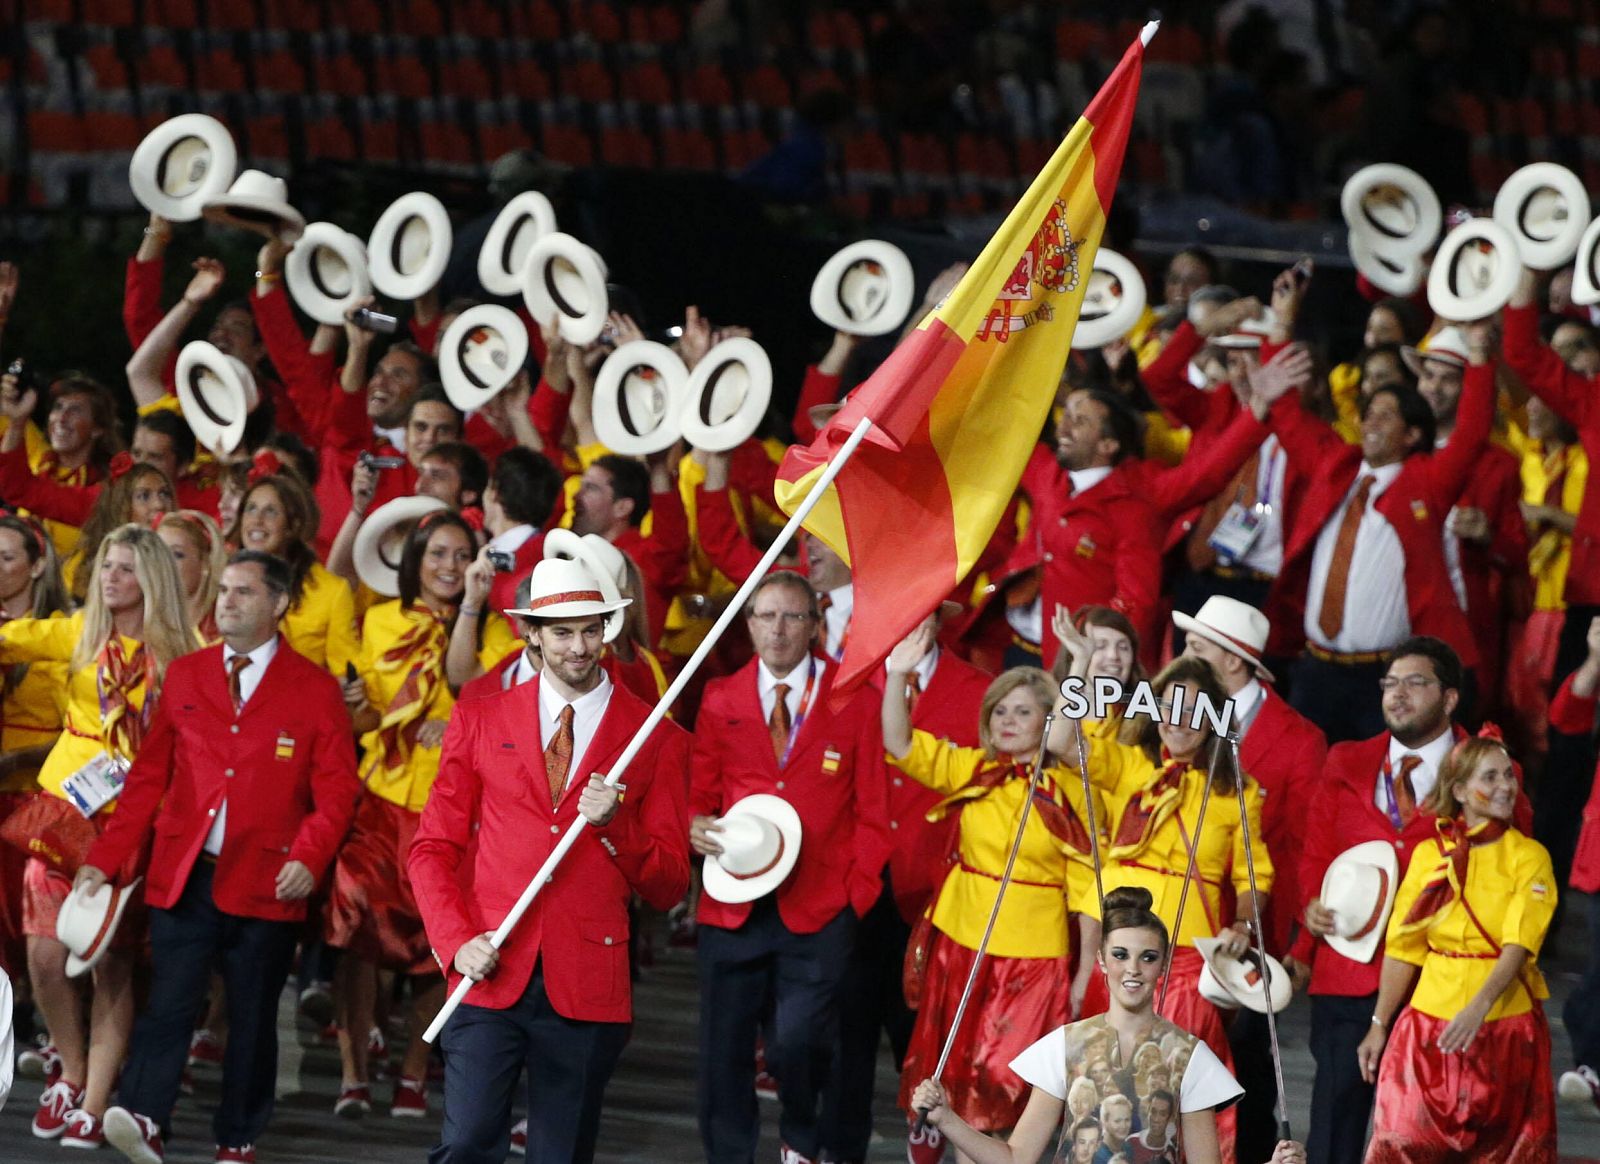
(1543, 252)
(504, 255)
(383, 245)
(78, 966)
(1391, 274)
(263, 216)
(1223, 968)
(724, 886)
(1586, 268)
(1103, 329)
(217, 422)
(724, 436)
(1455, 301)
(614, 429)
(466, 389)
(1382, 854)
(1378, 236)
(373, 564)
(579, 323)
(828, 305)
(563, 543)
(303, 277)
(145, 169)
(1189, 623)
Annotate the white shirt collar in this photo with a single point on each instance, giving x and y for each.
(1384, 473)
(590, 702)
(1084, 479)
(1432, 753)
(521, 671)
(514, 538)
(1248, 700)
(841, 597)
(259, 658)
(796, 679)
(395, 436)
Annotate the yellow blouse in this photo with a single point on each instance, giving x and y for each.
(1550, 555)
(30, 717)
(384, 626)
(1123, 772)
(52, 640)
(1049, 878)
(1344, 385)
(1512, 890)
(322, 625)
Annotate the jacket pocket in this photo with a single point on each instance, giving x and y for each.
(604, 950)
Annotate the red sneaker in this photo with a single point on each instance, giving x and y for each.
(40, 1061)
(244, 1155)
(925, 1146)
(410, 1098)
(519, 1138)
(204, 1048)
(353, 1102)
(135, 1136)
(58, 1100)
(82, 1131)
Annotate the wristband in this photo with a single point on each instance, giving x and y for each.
(268, 276)
(163, 235)
(1380, 1024)
(467, 612)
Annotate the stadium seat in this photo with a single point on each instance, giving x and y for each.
(267, 135)
(587, 79)
(172, 14)
(767, 87)
(465, 77)
(219, 71)
(419, 18)
(538, 22)
(106, 69)
(648, 82)
(108, 13)
(159, 66)
(708, 85)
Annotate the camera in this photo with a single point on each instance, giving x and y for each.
(503, 561)
(373, 461)
(26, 380)
(370, 320)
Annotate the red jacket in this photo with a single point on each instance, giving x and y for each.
(1284, 751)
(503, 590)
(835, 778)
(662, 558)
(1575, 716)
(1576, 399)
(285, 765)
(1344, 813)
(491, 682)
(949, 709)
(1495, 575)
(1415, 505)
(492, 793)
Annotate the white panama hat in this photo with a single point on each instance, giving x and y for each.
(1392, 209)
(760, 838)
(326, 272)
(87, 923)
(864, 289)
(1235, 982)
(504, 255)
(409, 246)
(728, 394)
(1545, 209)
(1475, 271)
(603, 560)
(216, 394)
(257, 202)
(381, 540)
(569, 588)
(481, 352)
(1232, 625)
(182, 163)
(1359, 889)
(639, 398)
(565, 280)
(1112, 303)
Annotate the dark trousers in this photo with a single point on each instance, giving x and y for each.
(872, 1003)
(1569, 768)
(1340, 698)
(1252, 1067)
(743, 972)
(1341, 1104)
(186, 941)
(1190, 591)
(1581, 1014)
(569, 1064)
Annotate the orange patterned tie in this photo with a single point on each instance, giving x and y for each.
(558, 757)
(1331, 620)
(235, 665)
(778, 721)
(1405, 793)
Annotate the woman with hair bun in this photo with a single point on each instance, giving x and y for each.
(1132, 951)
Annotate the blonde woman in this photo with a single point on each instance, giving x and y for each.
(133, 494)
(117, 649)
(198, 550)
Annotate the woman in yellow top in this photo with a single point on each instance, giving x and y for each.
(1466, 1072)
(400, 703)
(277, 515)
(197, 548)
(1097, 642)
(1018, 997)
(133, 493)
(1154, 779)
(117, 649)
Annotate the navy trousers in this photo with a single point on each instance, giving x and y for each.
(1341, 699)
(743, 972)
(569, 1064)
(1341, 1104)
(253, 955)
(1581, 1014)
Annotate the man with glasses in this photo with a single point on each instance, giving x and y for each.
(769, 728)
(1370, 791)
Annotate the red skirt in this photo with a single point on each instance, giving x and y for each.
(1493, 1104)
(1014, 1004)
(371, 911)
(13, 937)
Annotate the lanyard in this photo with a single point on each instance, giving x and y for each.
(805, 706)
(1264, 493)
(1388, 785)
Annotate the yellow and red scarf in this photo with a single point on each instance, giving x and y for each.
(1444, 884)
(117, 677)
(1049, 800)
(420, 654)
(1149, 809)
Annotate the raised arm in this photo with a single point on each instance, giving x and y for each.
(149, 363)
(1450, 467)
(1569, 394)
(141, 291)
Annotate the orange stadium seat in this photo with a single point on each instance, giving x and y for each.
(112, 131)
(380, 138)
(567, 143)
(767, 87)
(479, 19)
(232, 15)
(360, 16)
(447, 139)
(666, 25)
(329, 137)
(687, 149)
(292, 15)
(418, 18)
(48, 12)
(280, 71)
(525, 80)
(708, 85)
(268, 137)
(598, 20)
(501, 137)
(161, 65)
(1077, 40)
(588, 80)
(538, 21)
(172, 14)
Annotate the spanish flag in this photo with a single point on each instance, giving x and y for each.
(958, 406)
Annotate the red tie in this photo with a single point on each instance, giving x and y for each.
(1331, 619)
(913, 690)
(778, 722)
(1405, 792)
(235, 665)
(558, 757)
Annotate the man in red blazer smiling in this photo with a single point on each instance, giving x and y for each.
(248, 778)
(768, 728)
(557, 997)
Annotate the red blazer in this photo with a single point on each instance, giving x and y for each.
(1416, 505)
(834, 778)
(949, 709)
(503, 590)
(1496, 574)
(1577, 400)
(490, 810)
(662, 558)
(1575, 717)
(491, 682)
(285, 764)
(1344, 813)
(1284, 751)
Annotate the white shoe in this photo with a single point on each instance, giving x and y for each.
(1580, 1086)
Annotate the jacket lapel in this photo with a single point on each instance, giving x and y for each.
(819, 697)
(519, 711)
(747, 709)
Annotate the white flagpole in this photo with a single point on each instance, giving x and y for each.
(543, 876)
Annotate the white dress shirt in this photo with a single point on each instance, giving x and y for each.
(587, 711)
(1424, 776)
(513, 539)
(1376, 616)
(1265, 554)
(1085, 479)
(249, 680)
(767, 686)
(1247, 702)
(836, 619)
(395, 436)
(519, 673)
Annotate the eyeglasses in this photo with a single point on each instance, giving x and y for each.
(790, 617)
(1410, 682)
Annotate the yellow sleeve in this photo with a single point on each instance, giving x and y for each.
(342, 645)
(1164, 442)
(376, 637)
(942, 766)
(1118, 769)
(1265, 874)
(1531, 901)
(1344, 385)
(36, 640)
(166, 403)
(499, 640)
(1411, 947)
